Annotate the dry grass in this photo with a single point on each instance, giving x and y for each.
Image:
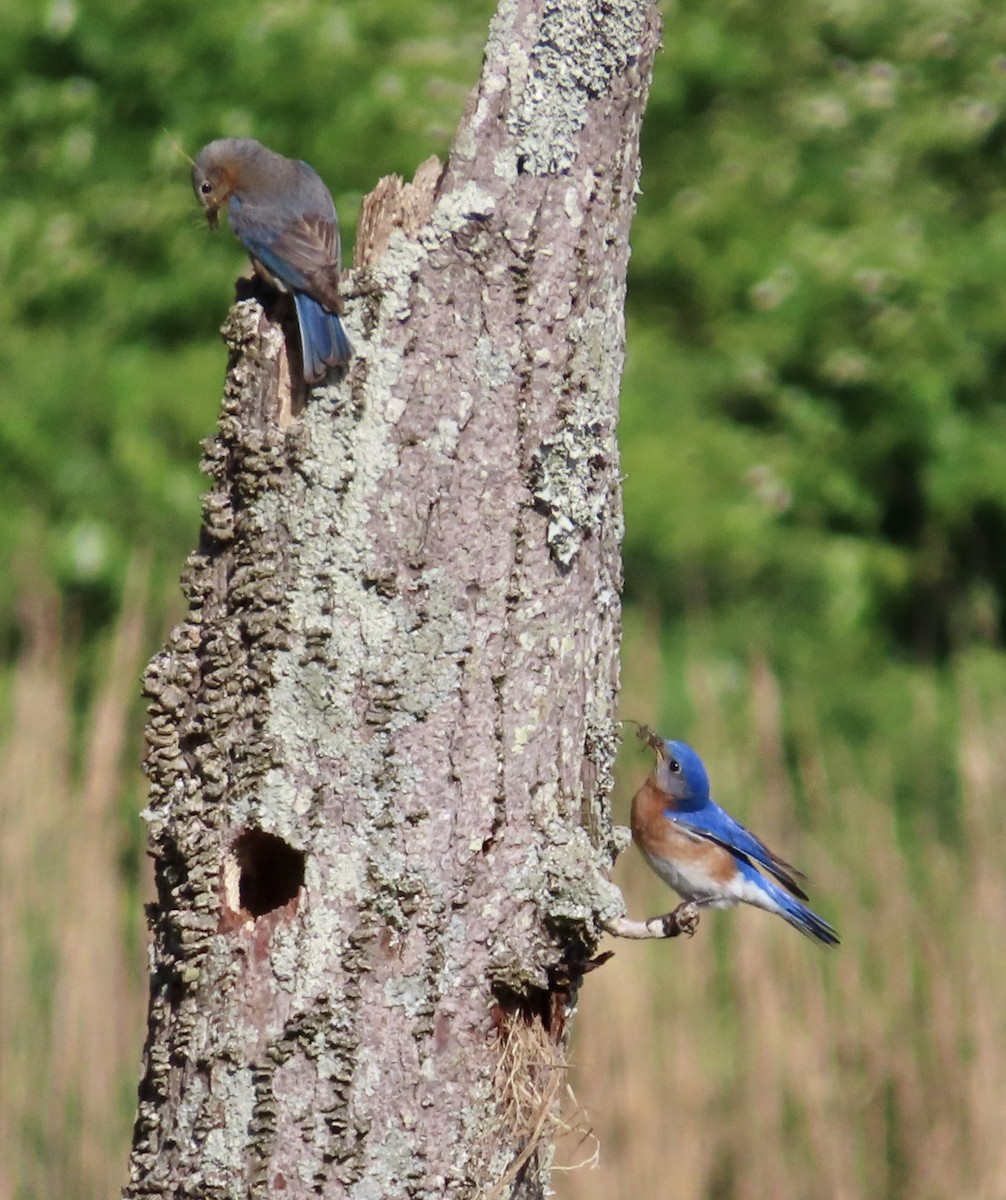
(71, 1005)
(749, 1063)
(743, 1064)
(538, 1107)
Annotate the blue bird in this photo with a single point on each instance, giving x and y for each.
(284, 216)
(703, 853)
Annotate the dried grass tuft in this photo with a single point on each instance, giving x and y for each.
(538, 1104)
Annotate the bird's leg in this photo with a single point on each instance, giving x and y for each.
(684, 919)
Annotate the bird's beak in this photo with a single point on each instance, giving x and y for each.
(213, 216)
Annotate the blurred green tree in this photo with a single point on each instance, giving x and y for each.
(114, 289)
(818, 349)
(814, 435)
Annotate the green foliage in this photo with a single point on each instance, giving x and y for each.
(818, 347)
(110, 367)
(813, 430)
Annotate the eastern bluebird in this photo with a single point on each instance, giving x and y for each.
(703, 853)
(284, 216)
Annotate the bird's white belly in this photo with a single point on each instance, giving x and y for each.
(692, 882)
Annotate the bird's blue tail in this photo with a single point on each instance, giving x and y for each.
(323, 338)
(787, 906)
(802, 918)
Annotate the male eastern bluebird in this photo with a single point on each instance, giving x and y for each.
(284, 216)
(703, 853)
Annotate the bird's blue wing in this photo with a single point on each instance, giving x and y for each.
(305, 247)
(718, 826)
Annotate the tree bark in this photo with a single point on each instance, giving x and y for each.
(380, 746)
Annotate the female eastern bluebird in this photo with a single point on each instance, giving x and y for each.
(703, 853)
(284, 216)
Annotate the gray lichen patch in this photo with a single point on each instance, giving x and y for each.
(397, 272)
(571, 481)
(570, 888)
(579, 54)
(621, 839)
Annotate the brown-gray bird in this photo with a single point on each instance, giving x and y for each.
(284, 216)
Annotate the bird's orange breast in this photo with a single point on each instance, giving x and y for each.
(659, 837)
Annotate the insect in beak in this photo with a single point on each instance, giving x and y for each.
(646, 734)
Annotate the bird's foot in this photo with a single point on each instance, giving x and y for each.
(684, 919)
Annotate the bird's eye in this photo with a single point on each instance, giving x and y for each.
(674, 766)
(206, 187)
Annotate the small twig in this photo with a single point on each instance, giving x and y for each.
(684, 919)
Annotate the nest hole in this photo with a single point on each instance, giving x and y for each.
(271, 871)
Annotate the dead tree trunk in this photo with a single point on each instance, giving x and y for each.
(380, 745)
